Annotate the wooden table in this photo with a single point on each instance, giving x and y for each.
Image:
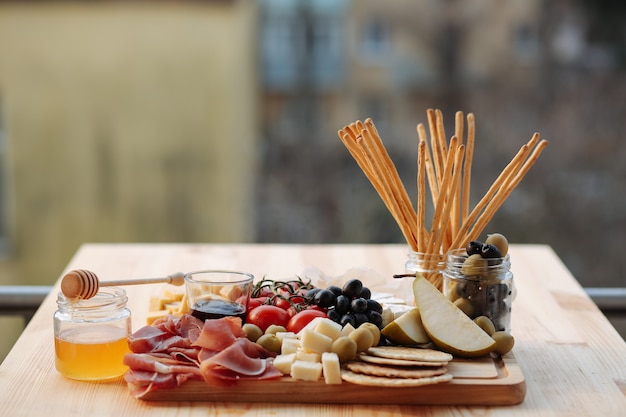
(573, 360)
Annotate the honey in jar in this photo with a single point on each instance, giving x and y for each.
(91, 336)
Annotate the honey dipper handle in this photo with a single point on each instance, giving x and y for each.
(175, 279)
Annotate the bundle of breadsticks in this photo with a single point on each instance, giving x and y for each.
(445, 165)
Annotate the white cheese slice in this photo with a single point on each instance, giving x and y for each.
(306, 371)
(331, 368)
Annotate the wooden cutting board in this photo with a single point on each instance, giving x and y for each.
(485, 381)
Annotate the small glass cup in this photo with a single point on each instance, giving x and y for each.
(213, 294)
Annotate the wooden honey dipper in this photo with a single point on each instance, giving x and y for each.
(83, 284)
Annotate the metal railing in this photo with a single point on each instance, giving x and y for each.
(22, 300)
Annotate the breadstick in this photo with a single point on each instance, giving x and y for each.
(394, 177)
(437, 217)
(430, 170)
(421, 196)
(471, 218)
(388, 186)
(467, 168)
(434, 146)
(505, 191)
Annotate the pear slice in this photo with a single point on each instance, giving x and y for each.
(448, 327)
(406, 329)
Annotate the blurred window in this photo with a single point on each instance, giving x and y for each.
(375, 42)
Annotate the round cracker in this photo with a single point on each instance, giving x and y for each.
(397, 362)
(381, 381)
(409, 353)
(395, 372)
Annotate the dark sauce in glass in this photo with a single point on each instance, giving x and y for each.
(216, 309)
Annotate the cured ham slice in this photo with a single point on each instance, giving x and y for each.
(175, 349)
(219, 334)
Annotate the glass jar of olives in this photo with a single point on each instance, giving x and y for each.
(480, 286)
(430, 265)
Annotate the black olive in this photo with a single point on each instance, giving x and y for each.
(375, 317)
(360, 318)
(490, 251)
(474, 247)
(352, 288)
(310, 294)
(335, 290)
(324, 298)
(366, 293)
(374, 305)
(342, 304)
(334, 316)
(348, 319)
(359, 305)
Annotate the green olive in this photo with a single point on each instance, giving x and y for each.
(504, 342)
(345, 348)
(499, 241)
(474, 265)
(363, 338)
(252, 331)
(465, 306)
(486, 324)
(274, 328)
(375, 331)
(270, 342)
(451, 290)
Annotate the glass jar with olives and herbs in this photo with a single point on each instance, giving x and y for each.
(480, 283)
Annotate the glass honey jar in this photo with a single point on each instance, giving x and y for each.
(91, 335)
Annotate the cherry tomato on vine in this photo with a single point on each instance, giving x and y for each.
(301, 319)
(281, 302)
(255, 302)
(266, 315)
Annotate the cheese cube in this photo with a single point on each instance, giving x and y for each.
(311, 325)
(306, 371)
(283, 362)
(329, 328)
(302, 355)
(289, 345)
(331, 368)
(347, 329)
(315, 342)
(286, 335)
(173, 294)
(153, 315)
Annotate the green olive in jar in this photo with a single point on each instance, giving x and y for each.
(504, 342)
(465, 306)
(474, 265)
(499, 241)
(486, 324)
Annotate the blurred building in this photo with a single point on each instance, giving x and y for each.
(123, 123)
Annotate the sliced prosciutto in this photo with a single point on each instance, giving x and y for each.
(174, 350)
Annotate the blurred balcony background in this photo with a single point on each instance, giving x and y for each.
(216, 121)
